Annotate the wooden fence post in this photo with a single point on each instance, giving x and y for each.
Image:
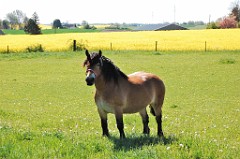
(156, 43)
(111, 46)
(74, 45)
(8, 49)
(205, 46)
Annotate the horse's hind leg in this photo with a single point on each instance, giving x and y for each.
(145, 121)
(159, 122)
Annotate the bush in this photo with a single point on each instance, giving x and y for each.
(35, 48)
(213, 25)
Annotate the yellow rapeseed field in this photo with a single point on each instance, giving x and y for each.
(184, 40)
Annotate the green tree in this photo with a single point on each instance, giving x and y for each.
(16, 19)
(12, 20)
(235, 11)
(25, 21)
(1, 26)
(213, 25)
(35, 17)
(5, 24)
(32, 27)
(57, 24)
(85, 25)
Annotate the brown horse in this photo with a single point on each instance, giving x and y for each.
(118, 93)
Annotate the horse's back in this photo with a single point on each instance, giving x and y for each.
(145, 79)
(144, 89)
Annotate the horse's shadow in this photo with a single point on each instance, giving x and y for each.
(136, 142)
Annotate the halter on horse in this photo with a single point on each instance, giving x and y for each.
(118, 93)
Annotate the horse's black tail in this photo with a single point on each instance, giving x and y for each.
(152, 111)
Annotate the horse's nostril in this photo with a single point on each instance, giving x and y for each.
(89, 84)
(89, 81)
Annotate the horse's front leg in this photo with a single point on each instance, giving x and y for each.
(145, 121)
(120, 124)
(104, 123)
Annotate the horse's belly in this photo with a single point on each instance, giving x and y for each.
(135, 106)
(104, 106)
(131, 109)
(138, 100)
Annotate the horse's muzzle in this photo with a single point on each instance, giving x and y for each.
(90, 81)
(90, 77)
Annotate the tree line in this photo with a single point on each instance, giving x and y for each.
(18, 20)
(57, 24)
(232, 20)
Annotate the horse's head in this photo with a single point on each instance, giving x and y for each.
(98, 65)
(93, 64)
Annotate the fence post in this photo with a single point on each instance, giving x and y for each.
(205, 46)
(74, 45)
(156, 43)
(111, 46)
(8, 49)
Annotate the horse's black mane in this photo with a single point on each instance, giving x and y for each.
(109, 70)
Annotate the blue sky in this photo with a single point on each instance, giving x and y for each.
(111, 11)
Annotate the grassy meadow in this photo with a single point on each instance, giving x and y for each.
(47, 110)
(47, 29)
(50, 31)
(180, 40)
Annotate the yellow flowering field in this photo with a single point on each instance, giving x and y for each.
(180, 40)
(43, 26)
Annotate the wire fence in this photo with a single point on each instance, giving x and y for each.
(149, 46)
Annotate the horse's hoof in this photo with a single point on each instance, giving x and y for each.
(106, 135)
(146, 131)
(122, 137)
(160, 134)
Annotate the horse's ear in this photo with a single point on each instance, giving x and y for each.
(88, 55)
(100, 53)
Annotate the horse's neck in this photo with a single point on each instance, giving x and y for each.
(102, 86)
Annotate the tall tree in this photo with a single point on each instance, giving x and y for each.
(12, 20)
(16, 19)
(35, 17)
(32, 27)
(235, 10)
(25, 21)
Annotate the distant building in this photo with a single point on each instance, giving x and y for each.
(69, 26)
(158, 27)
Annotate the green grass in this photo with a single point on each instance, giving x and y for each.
(62, 31)
(13, 32)
(51, 31)
(47, 111)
